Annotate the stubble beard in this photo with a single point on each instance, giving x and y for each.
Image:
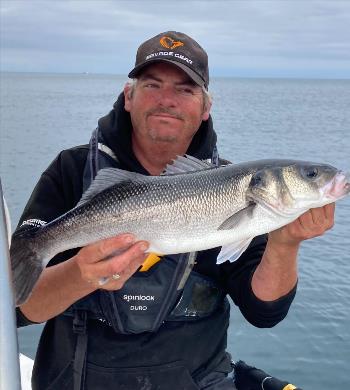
(156, 137)
(154, 134)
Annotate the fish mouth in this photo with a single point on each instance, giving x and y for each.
(338, 187)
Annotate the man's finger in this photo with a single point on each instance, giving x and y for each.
(117, 264)
(103, 249)
(318, 216)
(306, 221)
(114, 284)
(329, 211)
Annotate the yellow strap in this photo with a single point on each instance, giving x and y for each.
(289, 387)
(151, 259)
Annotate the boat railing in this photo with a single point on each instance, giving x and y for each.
(10, 378)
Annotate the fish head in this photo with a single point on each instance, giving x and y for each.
(292, 189)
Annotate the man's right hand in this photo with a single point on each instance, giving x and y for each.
(109, 263)
(63, 284)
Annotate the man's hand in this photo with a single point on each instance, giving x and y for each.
(313, 223)
(277, 273)
(63, 284)
(119, 256)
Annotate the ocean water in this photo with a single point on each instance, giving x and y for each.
(40, 114)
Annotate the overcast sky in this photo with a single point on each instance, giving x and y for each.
(258, 38)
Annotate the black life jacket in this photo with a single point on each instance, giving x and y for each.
(168, 291)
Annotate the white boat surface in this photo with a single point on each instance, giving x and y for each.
(26, 367)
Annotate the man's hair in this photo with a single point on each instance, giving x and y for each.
(207, 98)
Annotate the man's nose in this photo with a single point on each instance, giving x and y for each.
(168, 96)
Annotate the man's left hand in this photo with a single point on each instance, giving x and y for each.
(277, 272)
(313, 223)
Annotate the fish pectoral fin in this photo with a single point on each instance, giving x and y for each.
(238, 218)
(233, 251)
(108, 177)
(185, 164)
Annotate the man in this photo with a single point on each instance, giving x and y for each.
(112, 325)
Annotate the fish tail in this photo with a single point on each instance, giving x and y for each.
(26, 266)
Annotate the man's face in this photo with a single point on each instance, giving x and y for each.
(166, 106)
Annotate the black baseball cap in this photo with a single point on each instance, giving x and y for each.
(178, 49)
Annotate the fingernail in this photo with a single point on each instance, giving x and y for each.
(143, 247)
(129, 239)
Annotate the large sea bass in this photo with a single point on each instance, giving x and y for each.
(194, 206)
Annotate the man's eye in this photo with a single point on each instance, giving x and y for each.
(186, 90)
(151, 85)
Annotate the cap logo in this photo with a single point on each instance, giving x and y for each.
(169, 43)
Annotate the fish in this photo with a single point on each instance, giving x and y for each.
(193, 206)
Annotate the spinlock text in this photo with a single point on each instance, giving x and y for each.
(129, 298)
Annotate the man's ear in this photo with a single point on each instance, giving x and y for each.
(206, 113)
(127, 97)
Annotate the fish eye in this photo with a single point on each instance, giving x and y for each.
(311, 173)
(256, 180)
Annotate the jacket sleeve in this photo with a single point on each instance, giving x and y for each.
(237, 278)
(57, 191)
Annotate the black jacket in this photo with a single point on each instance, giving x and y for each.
(200, 345)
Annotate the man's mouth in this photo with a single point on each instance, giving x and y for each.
(165, 115)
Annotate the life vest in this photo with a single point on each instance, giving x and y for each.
(167, 291)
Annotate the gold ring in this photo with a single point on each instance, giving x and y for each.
(115, 276)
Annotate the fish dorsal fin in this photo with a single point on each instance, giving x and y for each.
(185, 164)
(109, 177)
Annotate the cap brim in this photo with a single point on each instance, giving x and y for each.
(193, 75)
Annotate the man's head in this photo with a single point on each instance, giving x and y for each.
(166, 99)
(178, 49)
(165, 104)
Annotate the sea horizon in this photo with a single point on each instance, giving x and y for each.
(240, 77)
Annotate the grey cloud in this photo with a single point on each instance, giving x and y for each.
(104, 35)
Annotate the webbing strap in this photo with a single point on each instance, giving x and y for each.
(94, 154)
(79, 328)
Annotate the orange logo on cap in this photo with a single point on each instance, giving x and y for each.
(169, 43)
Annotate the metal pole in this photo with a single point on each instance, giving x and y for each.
(10, 378)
